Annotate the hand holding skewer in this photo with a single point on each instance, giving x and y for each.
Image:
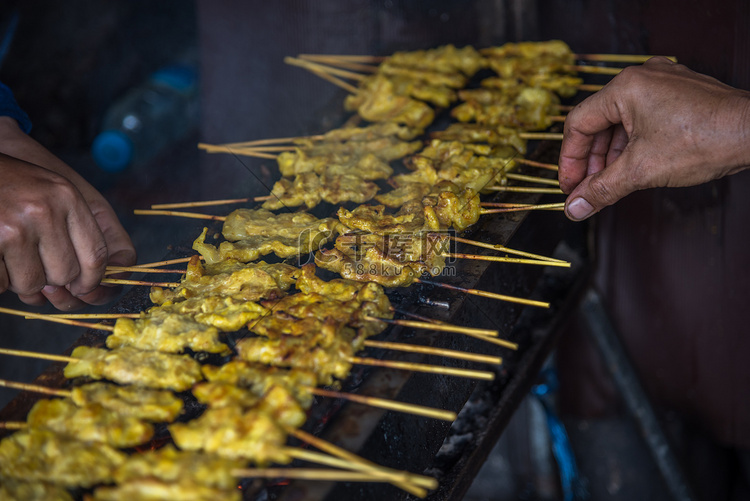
(57, 232)
(657, 125)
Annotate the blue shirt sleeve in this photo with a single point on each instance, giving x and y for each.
(9, 108)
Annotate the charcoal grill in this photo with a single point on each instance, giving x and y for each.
(408, 442)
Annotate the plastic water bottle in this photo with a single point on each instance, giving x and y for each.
(148, 118)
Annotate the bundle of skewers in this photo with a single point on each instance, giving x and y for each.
(253, 343)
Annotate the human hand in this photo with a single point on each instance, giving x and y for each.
(656, 125)
(57, 233)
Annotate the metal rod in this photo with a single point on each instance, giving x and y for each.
(604, 335)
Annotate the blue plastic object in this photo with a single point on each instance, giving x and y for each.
(112, 150)
(572, 486)
(148, 118)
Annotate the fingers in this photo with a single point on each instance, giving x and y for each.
(587, 135)
(598, 191)
(90, 251)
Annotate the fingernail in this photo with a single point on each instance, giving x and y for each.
(580, 209)
(50, 289)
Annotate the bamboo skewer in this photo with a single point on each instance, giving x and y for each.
(117, 281)
(209, 148)
(35, 388)
(596, 70)
(348, 57)
(525, 189)
(316, 67)
(429, 350)
(610, 58)
(505, 249)
(99, 316)
(534, 163)
(619, 58)
(384, 403)
(397, 478)
(489, 339)
(39, 316)
(497, 341)
(557, 206)
(532, 179)
(268, 149)
(416, 367)
(194, 215)
(590, 87)
(335, 81)
(166, 263)
(541, 136)
(209, 203)
(308, 474)
(334, 450)
(491, 295)
(273, 140)
(37, 355)
(349, 64)
(138, 269)
(502, 259)
(429, 326)
(13, 425)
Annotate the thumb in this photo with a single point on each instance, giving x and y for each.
(599, 190)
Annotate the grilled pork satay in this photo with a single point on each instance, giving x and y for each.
(278, 402)
(244, 223)
(525, 108)
(373, 219)
(373, 265)
(382, 256)
(564, 85)
(21, 490)
(167, 473)
(446, 58)
(92, 423)
(407, 192)
(385, 148)
(377, 100)
(457, 209)
(475, 133)
(128, 365)
(369, 167)
(44, 456)
(304, 189)
(259, 379)
(537, 64)
(405, 81)
(370, 296)
(473, 166)
(339, 166)
(372, 132)
(230, 278)
(336, 289)
(282, 393)
(307, 189)
(171, 465)
(162, 330)
(148, 489)
(234, 433)
(136, 401)
(450, 79)
(325, 351)
(226, 313)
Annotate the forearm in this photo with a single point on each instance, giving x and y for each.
(740, 156)
(16, 143)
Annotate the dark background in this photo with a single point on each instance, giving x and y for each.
(672, 263)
